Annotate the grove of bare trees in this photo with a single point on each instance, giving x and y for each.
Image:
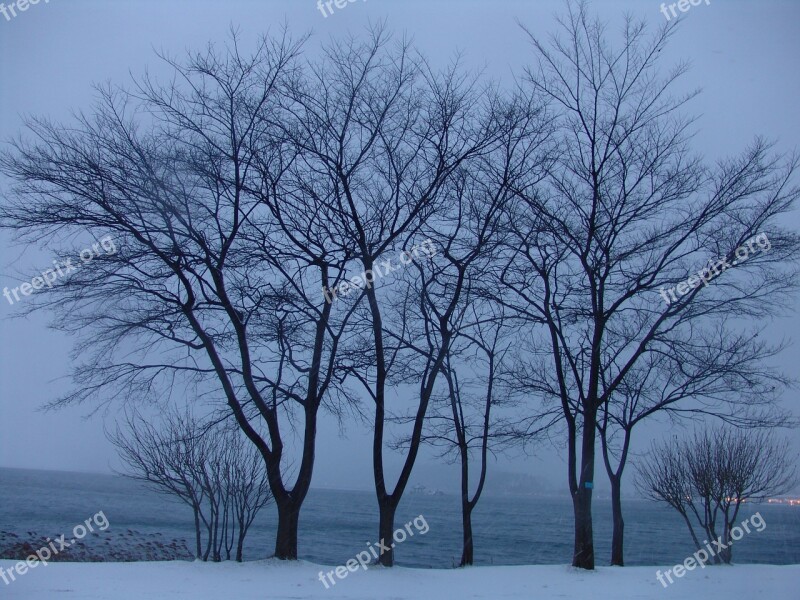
(250, 181)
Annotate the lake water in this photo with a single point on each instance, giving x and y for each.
(335, 525)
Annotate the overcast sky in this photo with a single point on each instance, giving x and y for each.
(743, 53)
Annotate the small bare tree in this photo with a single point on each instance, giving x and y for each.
(463, 421)
(164, 460)
(448, 318)
(214, 470)
(707, 478)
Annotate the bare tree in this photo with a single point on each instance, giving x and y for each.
(464, 418)
(707, 478)
(215, 470)
(625, 212)
(222, 259)
(380, 135)
(448, 308)
(698, 373)
(166, 461)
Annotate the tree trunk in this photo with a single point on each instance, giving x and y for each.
(583, 556)
(466, 506)
(215, 545)
(240, 544)
(618, 534)
(387, 508)
(229, 527)
(210, 533)
(289, 503)
(207, 552)
(726, 554)
(467, 554)
(286, 538)
(197, 535)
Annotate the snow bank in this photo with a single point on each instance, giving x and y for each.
(274, 580)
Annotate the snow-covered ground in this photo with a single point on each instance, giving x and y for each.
(272, 580)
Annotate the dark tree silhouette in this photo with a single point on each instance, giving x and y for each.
(217, 283)
(449, 310)
(626, 212)
(381, 134)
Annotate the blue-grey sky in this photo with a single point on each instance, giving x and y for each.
(743, 52)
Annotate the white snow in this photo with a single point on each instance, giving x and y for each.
(275, 580)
